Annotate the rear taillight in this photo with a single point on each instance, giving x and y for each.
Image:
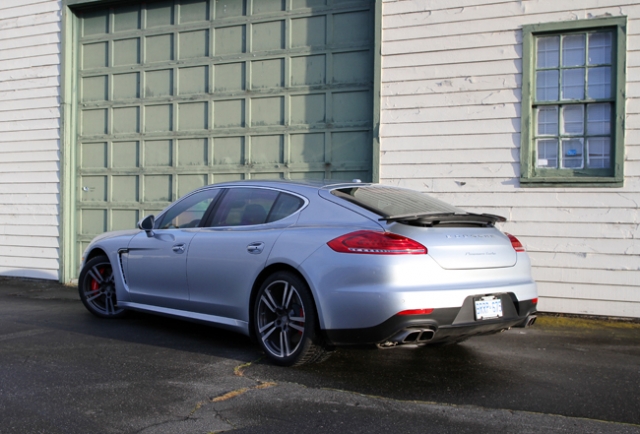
(534, 300)
(376, 243)
(416, 312)
(515, 243)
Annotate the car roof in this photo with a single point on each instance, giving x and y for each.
(316, 184)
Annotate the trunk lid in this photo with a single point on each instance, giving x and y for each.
(462, 248)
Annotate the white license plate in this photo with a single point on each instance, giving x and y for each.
(488, 307)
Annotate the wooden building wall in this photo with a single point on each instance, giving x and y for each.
(29, 138)
(451, 104)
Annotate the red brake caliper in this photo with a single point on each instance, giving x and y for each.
(95, 286)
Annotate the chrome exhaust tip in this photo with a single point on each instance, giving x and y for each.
(413, 336)
(531, 320)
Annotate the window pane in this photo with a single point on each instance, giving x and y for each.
(599, 119)
(244, 206)
(548, 53)
(599, 156)
(547, 85)
(547, 154)
(284, 207)
(573, 119)
(187, 213)
(572, 154)
(600, 47)
(573, 50)
(573, 83)
(389, 201)
(600, 82)
(547, 121)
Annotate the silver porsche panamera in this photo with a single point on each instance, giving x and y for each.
(303, 267)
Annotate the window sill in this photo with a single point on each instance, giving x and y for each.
(591, 181)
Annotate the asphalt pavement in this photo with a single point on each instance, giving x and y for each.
(64, 371)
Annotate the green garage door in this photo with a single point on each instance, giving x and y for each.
(173, 95)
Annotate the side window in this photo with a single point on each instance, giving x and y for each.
(285, 205)
(254, 206)
(573, 103)
(188, 213)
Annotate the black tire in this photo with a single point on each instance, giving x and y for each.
(97, 289)
(285, 321)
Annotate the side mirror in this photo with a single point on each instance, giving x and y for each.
(146, 224)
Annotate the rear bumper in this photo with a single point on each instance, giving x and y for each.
(446, 324)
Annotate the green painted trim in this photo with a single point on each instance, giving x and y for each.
(377, 86)
(67, 145)
(529, 176)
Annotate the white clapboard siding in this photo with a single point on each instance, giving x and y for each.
(29, 138)
(450, 126)
(455, 85)
(449, 71)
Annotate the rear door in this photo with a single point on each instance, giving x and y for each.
(226, 256)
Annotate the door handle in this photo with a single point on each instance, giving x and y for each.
(255, 248)
(178, 248)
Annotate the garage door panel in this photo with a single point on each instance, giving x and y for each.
(94, 155)
(187, 183)
(229, 9)
(267, 74)
(158, 188)
(124, 219)
(193, 81)
(267, 111)
(126, 120)
(158, 118)
(308, 109)
(158, 153)
(126, 18)
(126, 86)
(95, 88)
(268, 36)
(352, 27)
(228, 150)
(94, 122)
(159, 14)
(93, 221)
(230, 40)
(159, 48)
(177, 94)
(308, 70)
(193, 44)
(229, 77)
(95, 22)
(126, 52)
(124, 188)
(267, 149)
(95, 55)
(193, 152)
(229, 114)
(307, 148)
(94, 188)
(267, 6)
(350, 107)
(303, 4)
(309, 32)
(351, 67)
(158, 83)
(125, 155)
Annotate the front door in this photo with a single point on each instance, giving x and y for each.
(156, 262)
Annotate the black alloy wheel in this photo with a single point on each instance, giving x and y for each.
(97, 289)
(285, 321)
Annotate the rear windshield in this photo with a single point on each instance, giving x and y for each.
(389, 201)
